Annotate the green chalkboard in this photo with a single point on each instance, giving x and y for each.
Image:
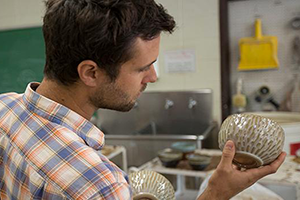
(22, 58)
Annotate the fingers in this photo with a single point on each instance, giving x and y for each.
(279, 160)
(227, 155)
(269, 169)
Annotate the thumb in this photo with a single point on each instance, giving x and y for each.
(228, 154)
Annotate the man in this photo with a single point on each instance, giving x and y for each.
(99, 54)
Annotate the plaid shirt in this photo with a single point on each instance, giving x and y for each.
(47, 151)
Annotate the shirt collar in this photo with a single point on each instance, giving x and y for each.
(62, 115)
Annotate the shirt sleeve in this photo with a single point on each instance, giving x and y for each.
(115, 191)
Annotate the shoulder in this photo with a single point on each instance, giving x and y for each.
(77, 169)
(7, 98)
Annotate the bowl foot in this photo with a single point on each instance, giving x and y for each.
(247, 160)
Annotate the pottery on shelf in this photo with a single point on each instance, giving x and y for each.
(169, 157)
(198, 161)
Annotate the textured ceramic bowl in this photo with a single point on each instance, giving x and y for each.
(150, 185)
(169, 157)
(197, 161)
(258, 140)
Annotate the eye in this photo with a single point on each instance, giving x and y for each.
(144, 69)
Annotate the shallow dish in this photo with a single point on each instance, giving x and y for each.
(150, 185)
(258, 140)
(184, 147)
(197, 161)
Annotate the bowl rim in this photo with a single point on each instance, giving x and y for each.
(206, 158)
(143, 195)
(176, 154)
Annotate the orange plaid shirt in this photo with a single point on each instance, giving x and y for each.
(47, 151)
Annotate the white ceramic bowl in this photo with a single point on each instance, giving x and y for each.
(258, 140)
(290, 122)
(151, 185)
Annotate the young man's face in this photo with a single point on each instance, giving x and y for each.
(132, 79)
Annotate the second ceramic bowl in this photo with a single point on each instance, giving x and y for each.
(197, 161)
(258, 140)
(169, 157)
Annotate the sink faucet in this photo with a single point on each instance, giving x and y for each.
(169, 104)
(192, 103)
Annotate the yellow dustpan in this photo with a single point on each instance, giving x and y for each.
(259, 52)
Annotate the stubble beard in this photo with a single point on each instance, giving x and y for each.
(113, 98)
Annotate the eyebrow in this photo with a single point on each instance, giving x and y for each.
(148, 64)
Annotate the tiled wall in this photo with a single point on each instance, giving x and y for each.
(276, 16)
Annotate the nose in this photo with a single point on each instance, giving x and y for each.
(151, 76)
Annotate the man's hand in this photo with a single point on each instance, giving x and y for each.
(227, 180)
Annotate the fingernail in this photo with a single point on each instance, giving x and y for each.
(229, 145)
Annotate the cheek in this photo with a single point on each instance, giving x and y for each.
(131, 83)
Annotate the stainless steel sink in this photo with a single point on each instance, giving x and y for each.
(158, 120)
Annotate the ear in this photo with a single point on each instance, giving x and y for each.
(89, 72)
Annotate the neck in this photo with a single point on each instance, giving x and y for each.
(73, 97)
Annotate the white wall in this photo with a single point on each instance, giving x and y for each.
(198, 29)
(20, 13)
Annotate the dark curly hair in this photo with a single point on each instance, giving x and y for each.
(99, 30)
